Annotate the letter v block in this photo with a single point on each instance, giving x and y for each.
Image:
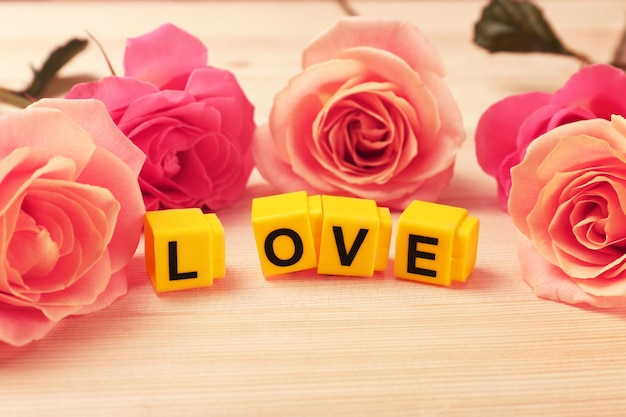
(435, 243)
(184, 248)
(355, 237)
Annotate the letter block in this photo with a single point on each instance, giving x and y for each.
(435, 243)
(338, 235)
(283, 233)
(355, 237)
(184, 248)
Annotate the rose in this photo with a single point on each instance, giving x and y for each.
(193, 122)
(71, 214)
(369, 116)
(507, 127)
(567, 200)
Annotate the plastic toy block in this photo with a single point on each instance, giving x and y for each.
(219, 245)
(435, 243)
(315, 216)
(351, 231)
(184, 248)
(384, 239)
(283, 234)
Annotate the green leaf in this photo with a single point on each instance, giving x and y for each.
(619, 58)
(55, 61)
(516, 26)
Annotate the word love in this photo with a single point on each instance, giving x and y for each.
(350, 236)
(185, 248)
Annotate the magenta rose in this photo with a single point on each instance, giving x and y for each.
(71, 214)
(192, 121)
(369, 116)
(567, 200)
(506, 128)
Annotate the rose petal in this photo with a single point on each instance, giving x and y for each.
(82, 292)
(308, 91)
(219, 89)
(93, 116)
(53, 135)
(162, 55)
(123, 185)
(497, 130)
(598, 87)
(526, 188)
(387, 66)
(398, 37)
(108, 91)
(550, 282)
(272, 167)
(21, 326)
(117, 286)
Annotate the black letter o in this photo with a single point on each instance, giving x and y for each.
(297, 243)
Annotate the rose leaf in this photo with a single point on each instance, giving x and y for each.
(55, 61)
(516, 26)
(619, 58)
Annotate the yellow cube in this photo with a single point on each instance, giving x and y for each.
(384, 239)
(355, 237)
(435, 243)
(283, 234)
(184, 248)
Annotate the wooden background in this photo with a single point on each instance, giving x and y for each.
(315, 345)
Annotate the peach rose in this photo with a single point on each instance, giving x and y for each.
(71, 214)
(507, 127)
(193, 121)
(567, 200)
(369, 116)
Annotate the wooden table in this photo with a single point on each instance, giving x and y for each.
(317, 345)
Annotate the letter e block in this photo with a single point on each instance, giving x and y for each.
(435, 243)
(184, 248)
(351, 228)
(283, 233)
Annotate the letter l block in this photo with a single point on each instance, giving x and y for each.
(184, 248)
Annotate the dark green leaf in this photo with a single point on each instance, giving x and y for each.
(56, 60)
(516, 26)
(619, 59)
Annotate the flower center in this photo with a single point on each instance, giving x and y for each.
(368, 137)
(170, 164)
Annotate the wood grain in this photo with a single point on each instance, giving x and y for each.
(312, 345)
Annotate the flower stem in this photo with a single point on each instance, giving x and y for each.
(13, 98)
(583, 58)
(347, 8)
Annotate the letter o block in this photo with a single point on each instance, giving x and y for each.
(184, 248)
(283, 233)
(435, 243)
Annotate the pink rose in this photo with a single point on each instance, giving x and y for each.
(507, 127)
(193, 122)
(71, 213)
(369, 116)
(567, 200)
